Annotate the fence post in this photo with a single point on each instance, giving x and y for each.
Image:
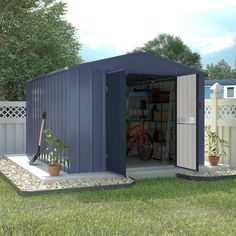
(216, 94)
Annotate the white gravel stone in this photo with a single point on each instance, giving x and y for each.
(27, 182)
(217, 171)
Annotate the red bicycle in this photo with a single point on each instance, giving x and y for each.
(145, 142)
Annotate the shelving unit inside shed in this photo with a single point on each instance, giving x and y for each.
(159, 116)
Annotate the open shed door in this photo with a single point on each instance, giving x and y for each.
(115, 122)
(186, 122)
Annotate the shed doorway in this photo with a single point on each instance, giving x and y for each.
(151, 102)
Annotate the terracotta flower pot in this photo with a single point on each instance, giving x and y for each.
(214, 160)
(54, 169)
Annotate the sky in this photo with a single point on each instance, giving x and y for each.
(109, 28)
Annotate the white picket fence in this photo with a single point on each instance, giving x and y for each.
(220, 114)
(12, 127)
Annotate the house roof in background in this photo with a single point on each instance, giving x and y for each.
(221, 82)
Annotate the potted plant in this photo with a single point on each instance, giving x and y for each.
(215, 146)
(54, 147)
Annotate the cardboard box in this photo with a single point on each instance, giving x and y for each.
(156, 150)
(159, 96)
(157, 116)
(156, 146)
(161, 116)
(164, 116)
(149, 125)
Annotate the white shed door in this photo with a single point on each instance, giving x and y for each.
(186, 122)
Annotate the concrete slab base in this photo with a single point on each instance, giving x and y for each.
(207, 166)
(39, 169)
(153, 172)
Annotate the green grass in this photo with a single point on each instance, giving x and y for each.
(151, 207)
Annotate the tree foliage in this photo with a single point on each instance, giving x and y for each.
(172, 48)
(220, 70)
(34, 40)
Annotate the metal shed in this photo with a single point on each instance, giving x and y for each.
(86, 107)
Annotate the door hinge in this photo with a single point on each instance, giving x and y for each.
(106, 156)
(106, 89)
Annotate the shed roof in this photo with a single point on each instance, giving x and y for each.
(136, 63)
(141, 63)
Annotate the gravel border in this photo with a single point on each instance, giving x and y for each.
(214, 174)
(27, 184)
(204, 178)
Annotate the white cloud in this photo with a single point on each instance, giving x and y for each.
(211, 44)
(125, 24)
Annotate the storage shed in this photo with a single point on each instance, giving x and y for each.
(87, 107)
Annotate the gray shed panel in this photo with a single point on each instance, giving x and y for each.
(50, 95)
(86, 128)
(74, 102)
(200, 118)
(115, 122)
(98, 121)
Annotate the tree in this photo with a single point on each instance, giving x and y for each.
(221, 70)
(172, 48)
(34, 40)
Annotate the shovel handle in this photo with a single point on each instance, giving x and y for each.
(44, 114)
(41, 128)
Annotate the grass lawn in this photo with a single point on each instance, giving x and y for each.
(165, 206)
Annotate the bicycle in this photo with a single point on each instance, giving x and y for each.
(145, 142)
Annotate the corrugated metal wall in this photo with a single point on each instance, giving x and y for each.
(115, 122)
(74, 102)
(50, 94)
(87, 115)
(200, 118)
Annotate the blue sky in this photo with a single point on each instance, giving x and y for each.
(109, 28)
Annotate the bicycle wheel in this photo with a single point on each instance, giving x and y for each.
(145, 147)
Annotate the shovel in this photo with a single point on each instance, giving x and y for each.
(36, 156)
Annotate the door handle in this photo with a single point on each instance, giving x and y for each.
(186, 120)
